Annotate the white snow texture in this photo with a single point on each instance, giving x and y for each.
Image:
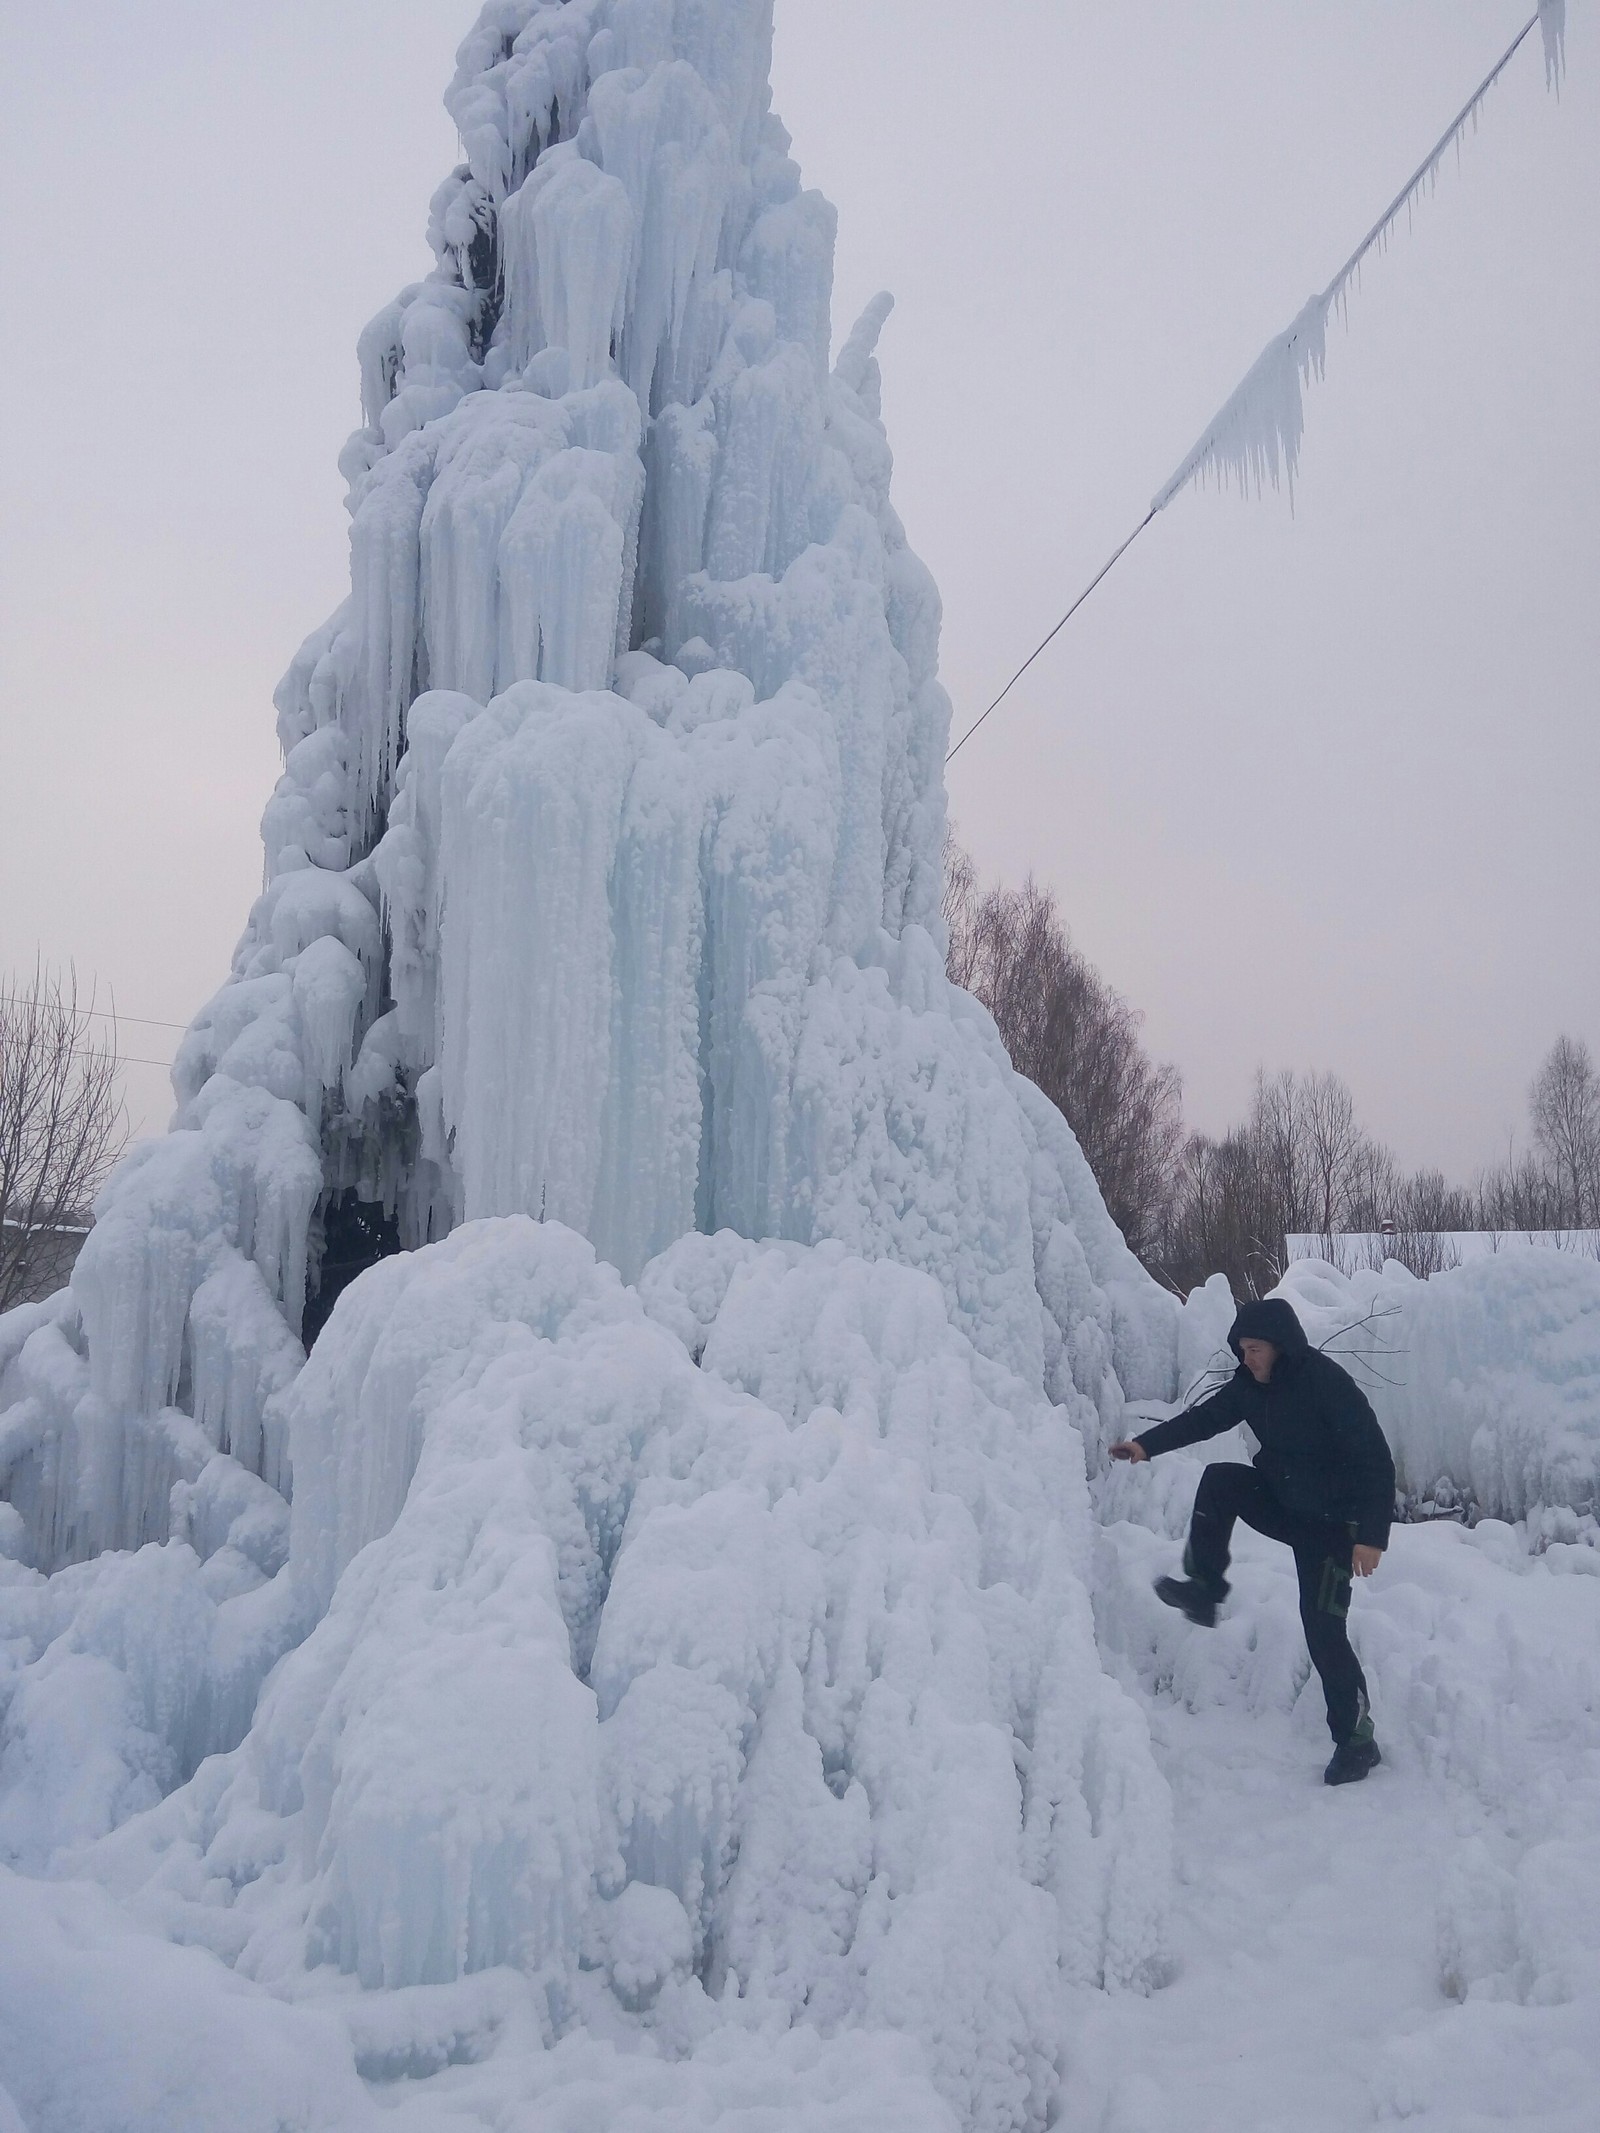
(641, 1670)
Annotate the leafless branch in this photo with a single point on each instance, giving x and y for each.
(62, 1126)
(1074, 1037)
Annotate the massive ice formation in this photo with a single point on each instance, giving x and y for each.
(711, 1652)
(603, 879)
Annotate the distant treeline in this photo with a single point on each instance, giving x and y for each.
(1191, 1204)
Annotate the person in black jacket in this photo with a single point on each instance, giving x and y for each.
(1323, 1481)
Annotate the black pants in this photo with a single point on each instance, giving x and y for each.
(1322, 1564)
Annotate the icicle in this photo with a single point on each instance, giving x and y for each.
(562, 558)
(330, 988)
(1553, 29)
(1256, 437)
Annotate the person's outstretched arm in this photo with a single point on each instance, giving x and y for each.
(1207, 1418)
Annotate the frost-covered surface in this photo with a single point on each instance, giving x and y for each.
(1254, 438)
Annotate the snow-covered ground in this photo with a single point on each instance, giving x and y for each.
(1424, 1947)
(662, 1706)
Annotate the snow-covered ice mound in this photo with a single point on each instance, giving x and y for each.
(711, 1655)
(604, 875)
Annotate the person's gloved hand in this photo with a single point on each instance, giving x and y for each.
(1131, 1448)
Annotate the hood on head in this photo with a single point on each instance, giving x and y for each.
(1270, 1320)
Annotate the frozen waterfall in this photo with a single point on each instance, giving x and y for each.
(648, 1642)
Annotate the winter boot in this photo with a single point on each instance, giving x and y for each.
(1352, 1759)
(1194, 1598)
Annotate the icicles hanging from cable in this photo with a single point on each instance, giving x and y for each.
(1255, 439)
(1553, 29)
(1256, 436)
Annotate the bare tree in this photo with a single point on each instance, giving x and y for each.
(62, 1127)
(1301, 1164)
(1334, 1143)
(1564, 1106)
(1518, 1194)
(1277, 1151)
(962, 898)
(1074, 1037)
(1377, 1187)
(1224, 1218)
(1555, 1184)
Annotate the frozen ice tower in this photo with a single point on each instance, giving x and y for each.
(603, 879)
(647, 1643)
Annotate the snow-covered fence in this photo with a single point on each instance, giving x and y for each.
(1431, 1251)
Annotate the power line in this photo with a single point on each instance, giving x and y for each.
(145, 1021)
(117, 1058)
(1287, 357)
(102, 1014)
(106, 1014)
(1104, 571)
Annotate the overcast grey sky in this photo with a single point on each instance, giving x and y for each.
(1314, 790)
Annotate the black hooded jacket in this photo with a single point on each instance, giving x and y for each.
(1322, 1453)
